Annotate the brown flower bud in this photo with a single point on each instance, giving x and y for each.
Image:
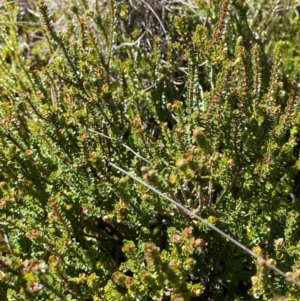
(175, 238)
(144, 169)
(200, 243)
(182, 164)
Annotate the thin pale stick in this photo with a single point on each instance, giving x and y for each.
(195, 216)
(124, 145)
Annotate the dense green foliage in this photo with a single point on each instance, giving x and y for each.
(202, 105)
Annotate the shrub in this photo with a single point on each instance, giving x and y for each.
(202, 104)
